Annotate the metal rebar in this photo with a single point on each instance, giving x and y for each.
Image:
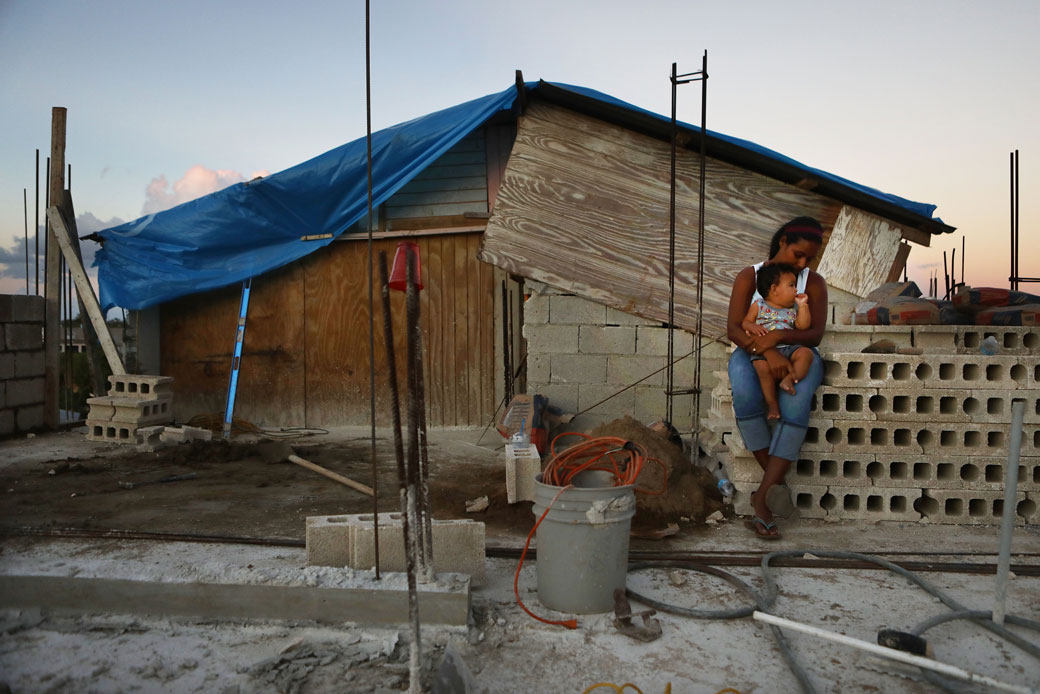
(410, 504)
(1007, 524)
(669, 378)
(391, 366)
(36, 228)
(695, 448)
(962, 262)
(25, 209)
(371, 300)
(412, 469)
(425, 509)
(1017, 219)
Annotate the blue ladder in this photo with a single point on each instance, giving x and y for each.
(236, 360)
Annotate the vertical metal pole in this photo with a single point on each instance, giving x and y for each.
(1007, 524)
(36, 228)
(425, 510)
(507, 368)
(962, 262)
(25, 208)
(695, 453)
(391, 365)
(1017, 236)
(371, 301)
(1011, 187)
(670, 378)
(411, 526)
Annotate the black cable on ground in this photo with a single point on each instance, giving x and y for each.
(765, 601)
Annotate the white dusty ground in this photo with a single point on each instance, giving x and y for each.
(506, 650)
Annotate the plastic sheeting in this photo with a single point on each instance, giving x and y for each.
(251, 228)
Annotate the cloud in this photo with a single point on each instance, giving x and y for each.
(12, 258)
(196, 182)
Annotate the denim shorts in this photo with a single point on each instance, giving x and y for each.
(786, 350)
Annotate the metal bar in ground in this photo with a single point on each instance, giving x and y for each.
(1007, 524)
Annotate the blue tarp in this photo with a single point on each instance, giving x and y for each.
(251, 228)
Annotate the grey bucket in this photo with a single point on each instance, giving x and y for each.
(583, 542)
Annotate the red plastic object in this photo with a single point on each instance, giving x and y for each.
(399, 271)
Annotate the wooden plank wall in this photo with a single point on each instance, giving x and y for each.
(861, 251)
(305, 357)
(455, 184)
(584, 207)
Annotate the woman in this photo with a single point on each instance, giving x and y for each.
(796, 243)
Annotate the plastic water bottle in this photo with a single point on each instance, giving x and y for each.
(726, 487)
(989, 346)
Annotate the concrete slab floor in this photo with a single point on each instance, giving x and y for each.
(505, 649)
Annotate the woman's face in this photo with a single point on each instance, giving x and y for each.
(799, 254)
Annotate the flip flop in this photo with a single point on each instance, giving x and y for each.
(762, 528)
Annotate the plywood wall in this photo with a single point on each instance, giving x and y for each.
(584, 207)
(306, 357)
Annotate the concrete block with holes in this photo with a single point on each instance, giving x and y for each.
(831, 402)
(974, 507)
(140, 386)
(349, 540)
(872, 503)
(522, 465)
(929, 371)
(849, 469)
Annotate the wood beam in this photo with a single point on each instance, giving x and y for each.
(52, 284)
(86, 290)
(916, 235)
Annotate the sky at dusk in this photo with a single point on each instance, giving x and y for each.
(169, 101)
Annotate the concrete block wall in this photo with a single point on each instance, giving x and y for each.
(21, 363)
(580, 353)
(908, 437)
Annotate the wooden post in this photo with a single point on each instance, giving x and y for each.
(86, 291)
(52, 288)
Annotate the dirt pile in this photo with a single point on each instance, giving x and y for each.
(689, 491)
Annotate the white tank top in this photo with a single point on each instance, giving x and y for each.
(803, 277)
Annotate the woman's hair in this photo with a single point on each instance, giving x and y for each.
(798, 229)
(770, 274)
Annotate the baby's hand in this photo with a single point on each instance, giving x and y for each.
(754, 329)
(801, 299)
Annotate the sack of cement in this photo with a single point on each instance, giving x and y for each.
(1027, 314)
(977, 299)
(892, 289)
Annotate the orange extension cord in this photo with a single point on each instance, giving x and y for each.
(620, 457)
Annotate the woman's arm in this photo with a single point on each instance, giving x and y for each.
(739, 303)
(816, 288)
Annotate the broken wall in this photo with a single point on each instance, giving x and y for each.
(21, 363)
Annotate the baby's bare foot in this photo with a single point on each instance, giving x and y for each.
(787, 384)
(773, 412)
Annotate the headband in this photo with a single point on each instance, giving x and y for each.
(812, 231)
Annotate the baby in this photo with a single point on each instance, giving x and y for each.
(782, 309)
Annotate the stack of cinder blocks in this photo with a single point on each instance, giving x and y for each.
(349, 540)
(908, 437)
(580, 353)
(21, 363)
(133, 402)
(522, 465)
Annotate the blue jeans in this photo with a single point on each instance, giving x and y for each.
(749, 407)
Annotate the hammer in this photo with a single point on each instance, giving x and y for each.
(279, 451)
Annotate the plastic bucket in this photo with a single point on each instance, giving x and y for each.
(583, 542)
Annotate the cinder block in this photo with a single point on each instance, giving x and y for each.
(625, 370)
(110, 432)
(651, 404)
(29, 364)
(522, 464)
(20, 308)
(536, 309)
(870, 503)
(596, 339)
(538, 368)
(929, 371)
(6, 422)
(551, 339)
(955, 472)
(25, 391)
(174, 435)
(23, 336)
(567, 310)
(1011, 339)
(458, 545)
(845, 403)
(850, 470)
(853, 338)
(959, 439)
(140, 386)
(607, 398)
(820, 436)
(30, 417)
(1030, 508)
(562, 395)
(578, 368)
(149, 438)
(616, 317)
(968, 507)
(6, 363)
(866, 437)
(653, 341)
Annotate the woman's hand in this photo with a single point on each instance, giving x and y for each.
(779, 365)
(759, 344)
